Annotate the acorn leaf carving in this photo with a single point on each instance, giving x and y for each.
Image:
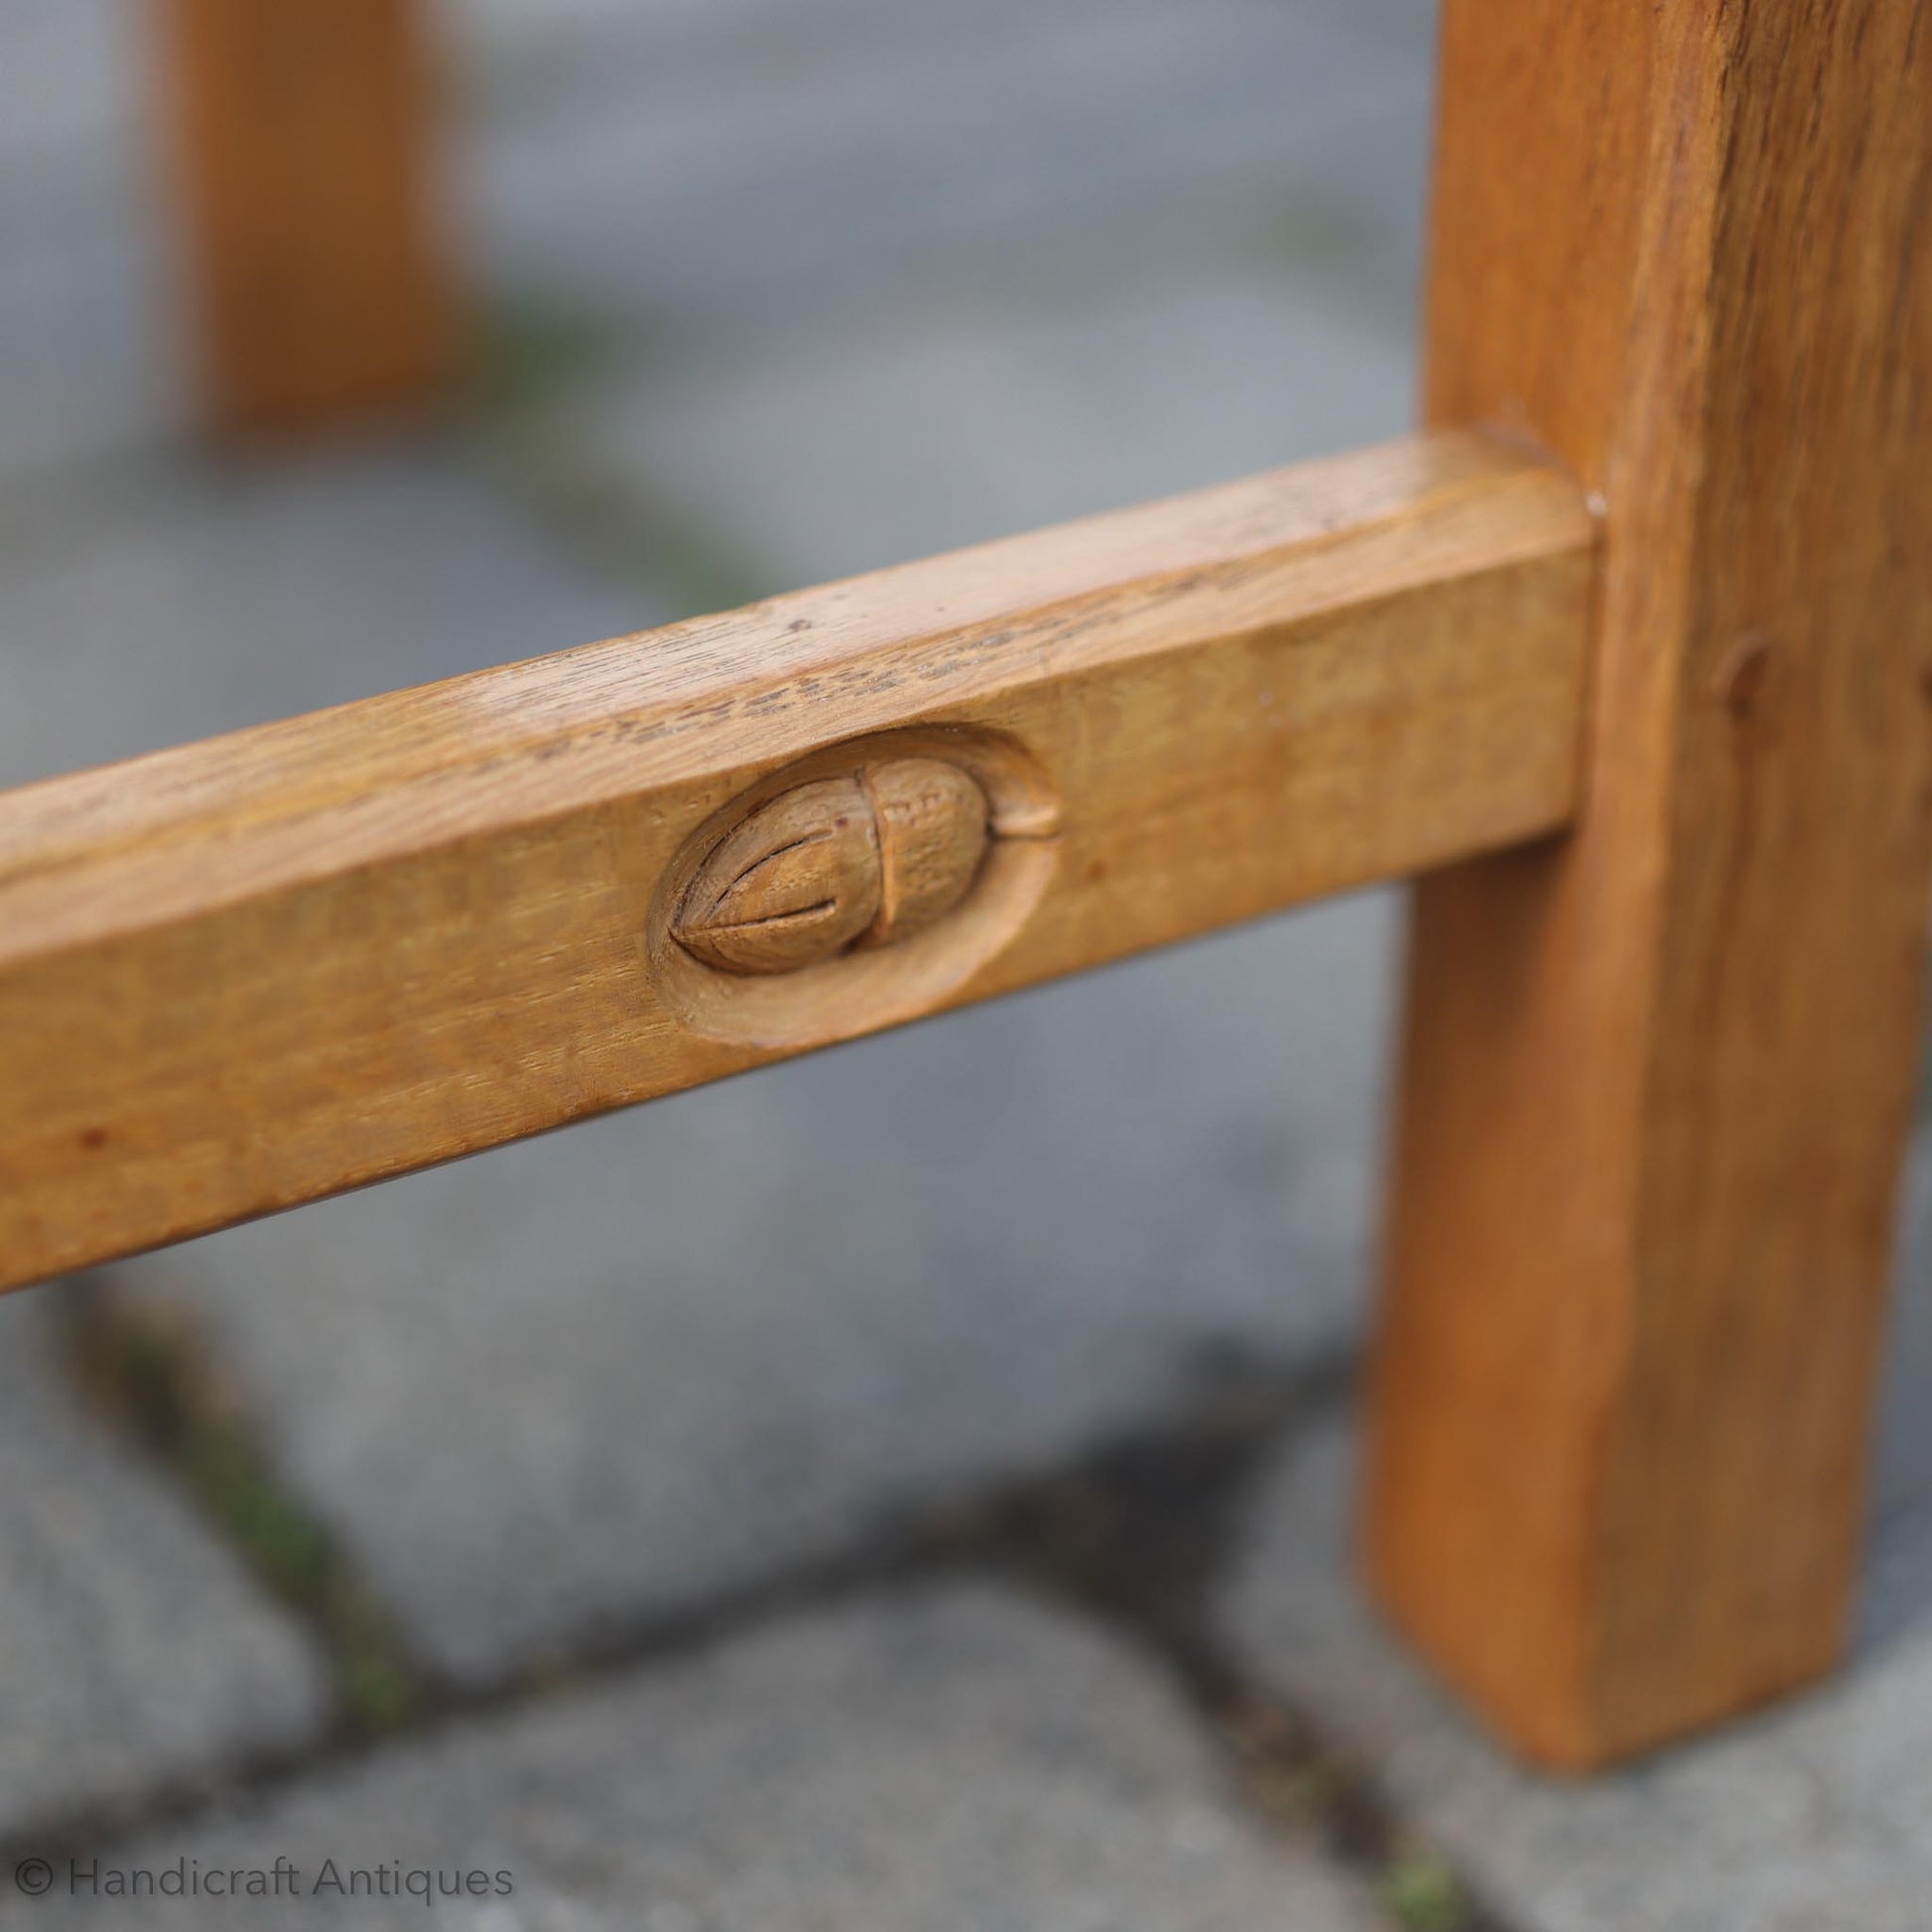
(864, 860)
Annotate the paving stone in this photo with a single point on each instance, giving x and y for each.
(947, 1762)
(617, 1371)
(88, 333)
(1898, 1568)
(873, 433)
(1063, 367)
(699, 156)
(200, 598)
(134, 1651)
(1809, 1819)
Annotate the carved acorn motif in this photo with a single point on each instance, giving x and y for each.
(864, 860)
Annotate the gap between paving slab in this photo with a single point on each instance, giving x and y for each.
(938, 1759)
(133, 1653)
(1134, 1535)
(615, 1372)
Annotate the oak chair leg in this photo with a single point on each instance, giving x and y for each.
(302, 130)
(1659, 1073)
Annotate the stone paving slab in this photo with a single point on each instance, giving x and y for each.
(1812, 1818)
(1899, 1578)
(615, 1372)
(133, 1650)
(89, 325)
(868, 433)
(201, 596)
(699, 156)
(930, 1764)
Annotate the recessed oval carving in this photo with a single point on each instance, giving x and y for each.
(863, 860)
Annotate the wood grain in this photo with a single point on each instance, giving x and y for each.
(302, 131)
(1659, 1074)
(251, 972)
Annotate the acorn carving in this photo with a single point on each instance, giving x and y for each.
(864, 860)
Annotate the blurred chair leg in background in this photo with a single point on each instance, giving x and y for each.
(303, 132)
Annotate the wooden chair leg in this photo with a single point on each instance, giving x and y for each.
(1659, 1073)
(303, 134)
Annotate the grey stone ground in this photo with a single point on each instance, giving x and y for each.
(132, 1648)
(779, 292)
(1810, 1819)
(198, 596)
(565, 1387)
(926, 1764)
(724, 155)
(85, 344)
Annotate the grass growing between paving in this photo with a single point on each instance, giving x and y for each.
(1294, 1780)
(1425, 1895)
(1137, 1536)
(144, 1367)
(1134, 1535)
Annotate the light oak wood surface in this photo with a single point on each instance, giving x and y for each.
(302, 134)
(1659, 1076)
(243, 974)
